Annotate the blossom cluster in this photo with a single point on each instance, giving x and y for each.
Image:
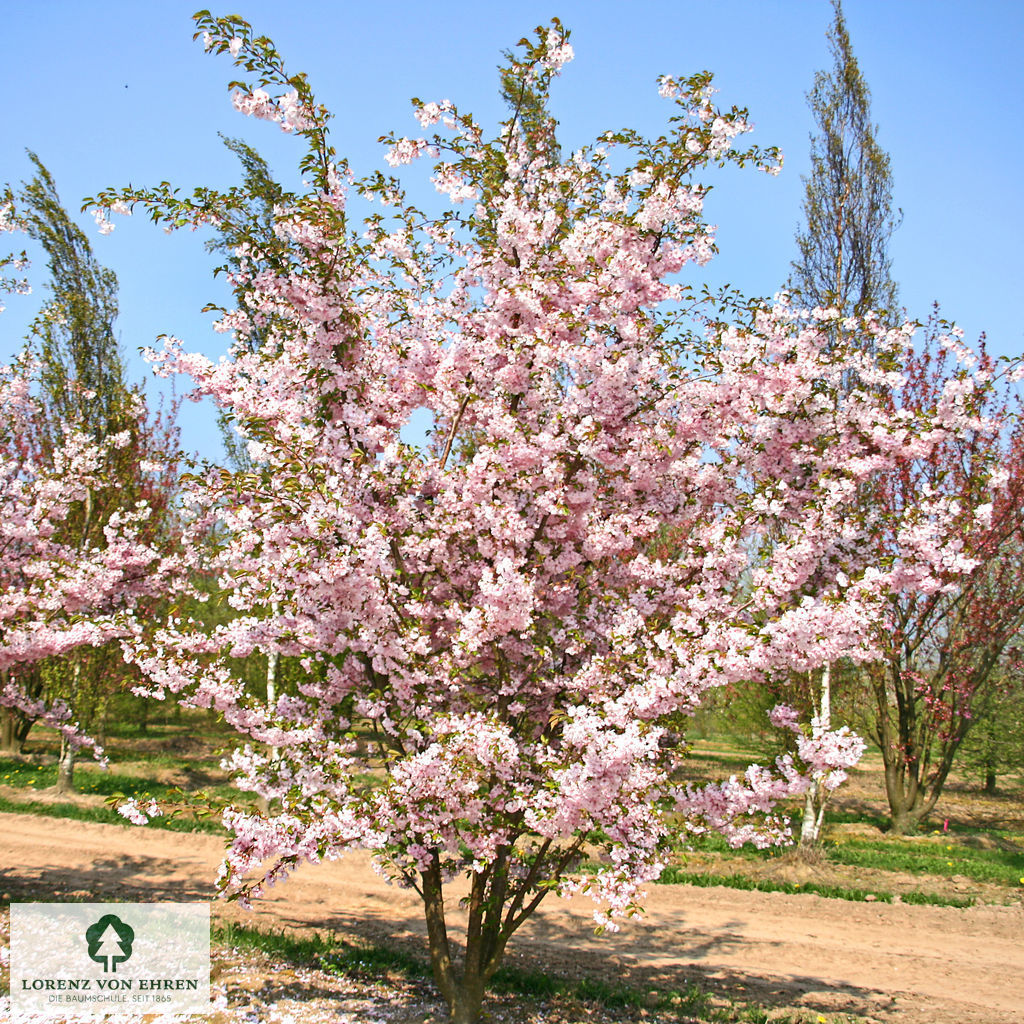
(58, 593)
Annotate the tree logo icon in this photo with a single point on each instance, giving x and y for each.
(110, 942)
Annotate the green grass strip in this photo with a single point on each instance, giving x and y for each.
(106, 816)
(690, 1000)
(90, 780)
(1004, 867)
(321, 951)
(678, 876)
(377, 961)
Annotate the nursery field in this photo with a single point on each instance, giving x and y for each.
(925, 929)
(512, 529)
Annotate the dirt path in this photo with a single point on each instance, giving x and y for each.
(914, 964)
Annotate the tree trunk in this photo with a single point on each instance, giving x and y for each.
(495, 912)
(8, 734)
(901, 819)
(437, 932)
(272, 660)
(66, 767)
(903, 822)
(895, 735)
(808, 833)
(66, 761)
(15, 725)
(469, 999)
(814, 815)
(22, 727)
(101, 737)
(817, 794)
(990, 782)
(463, 990)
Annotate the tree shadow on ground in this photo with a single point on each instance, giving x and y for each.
(564, 947)
(115, 879)
(557, 945)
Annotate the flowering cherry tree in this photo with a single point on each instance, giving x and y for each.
(17, 261)
(503, 630)
(71, 571)
(56, 595)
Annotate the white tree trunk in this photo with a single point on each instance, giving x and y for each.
(816, 796)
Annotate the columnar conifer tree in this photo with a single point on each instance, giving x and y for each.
(941, 650)
(530, 116)
(844, 260)
(82, 372)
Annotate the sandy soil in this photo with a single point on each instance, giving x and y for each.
(914, 964)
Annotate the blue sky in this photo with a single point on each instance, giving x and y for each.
(115, 92)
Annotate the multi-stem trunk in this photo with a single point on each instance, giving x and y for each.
(8, 735)
(14, 729)
(462, 986)
(914, 772)
(462, 990)
(8, 732)
(496, 907)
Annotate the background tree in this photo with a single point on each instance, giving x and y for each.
(946, 651)
(527, 101)
(250, 217)
(844, 261)
(82, 376)
(994, 746)
(61, 596)
(81, 385)
(943, 650)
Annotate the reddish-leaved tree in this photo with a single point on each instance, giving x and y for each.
(942, 645)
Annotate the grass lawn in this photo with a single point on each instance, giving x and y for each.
(975, 854)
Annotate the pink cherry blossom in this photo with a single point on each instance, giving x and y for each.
(500, 634)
